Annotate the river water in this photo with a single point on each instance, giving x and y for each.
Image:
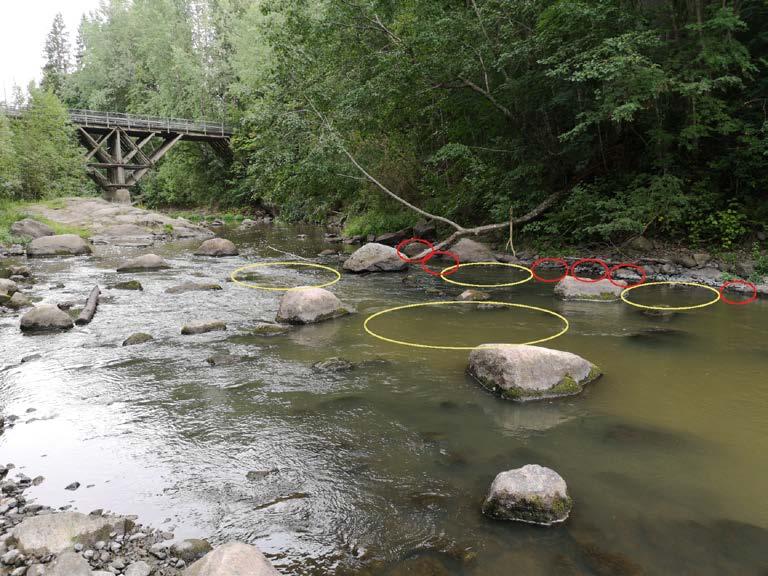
(382, 469)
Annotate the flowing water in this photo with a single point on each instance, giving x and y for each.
(382, 469)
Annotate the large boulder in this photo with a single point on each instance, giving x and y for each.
(520, 372)
(309, 306)
(373, 257)
(31, 229)
(7, 289)
(191, 549)
(233, 559)
(59, 245)
(217, 247)
(601, 291)
(18, 301)
(471, 251)
(192, 287)
(46, 318)
(146, 262)
(52, 533)
(532, 494)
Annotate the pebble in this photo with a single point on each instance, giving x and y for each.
(73, 486)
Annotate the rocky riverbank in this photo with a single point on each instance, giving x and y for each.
(37, 540)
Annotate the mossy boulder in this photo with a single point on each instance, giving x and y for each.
(137, 338)
(128, 285)
(217, 247)
(46, 318)
(143, 263)
(533, 494)
(59, 245)
(520, 372)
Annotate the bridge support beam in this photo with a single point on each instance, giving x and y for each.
(117, 160)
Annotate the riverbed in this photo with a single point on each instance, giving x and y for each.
(382, 469)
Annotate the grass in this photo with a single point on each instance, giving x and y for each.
(14, 210)
(194, 216)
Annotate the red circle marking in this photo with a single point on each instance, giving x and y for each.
(540, 260)
(738, 302)
(407, 241)
(627, 265)
(445, 253)
(590, 280)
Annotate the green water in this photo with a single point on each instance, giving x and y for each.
(382, 469)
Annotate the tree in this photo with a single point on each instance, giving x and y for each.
(10, 182)
(51, 162)
(56, 55)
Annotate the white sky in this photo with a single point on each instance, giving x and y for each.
(24, 24)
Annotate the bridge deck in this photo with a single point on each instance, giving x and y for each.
(191, 129)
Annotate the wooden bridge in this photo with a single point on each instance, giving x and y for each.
(122, 148)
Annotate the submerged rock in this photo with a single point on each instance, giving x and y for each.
(471, 251)
(46, 318)
(532, 494)
(59, 245)
(143, 263)
(268, 330)
(192, 287)
(233, 559)
(202, 327)
(128, 285)
(137, 338)
(473, 296)
(334, 364)
(225, 359)
(601, 291)
(373, 257)
(217, 247)
(31, 229)
(309, 306)
(521, 372)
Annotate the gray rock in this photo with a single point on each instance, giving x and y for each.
(373, 257)
(125, 235)
(75, 486)
(139, 568)
(146, 262)
(532, 494)
(52, 533)
(394, 238)
(268, 330)
(601, 291)
(685, 260)
(46, 318)
(425, 230)
(471, 251)
(7, 289)
(31, 229)
(69, 564)
(18, 301)
(232, 559)
(520, 372)
(59, 245)
(701, 258)
(137, 338)
(309, 306)
(192, 287)
(191, 549)
(328, 252)
(35, 570)
(202, 327)
(708, 275)
(640, 244)
(217, 247)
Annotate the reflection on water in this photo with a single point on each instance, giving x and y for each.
(381, 469)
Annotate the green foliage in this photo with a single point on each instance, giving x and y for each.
(10, 179)
(51, 162)
(14, 210)
(56, 57)
(761, 263)
(376, 222)
(722, 228)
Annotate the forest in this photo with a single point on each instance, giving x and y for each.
(615, 118)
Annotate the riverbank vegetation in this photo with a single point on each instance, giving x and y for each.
(634, 118)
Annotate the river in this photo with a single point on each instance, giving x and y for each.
(382, 469)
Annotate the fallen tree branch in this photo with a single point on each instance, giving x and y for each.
(461, 231)
(86, 315)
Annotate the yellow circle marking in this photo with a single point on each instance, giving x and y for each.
(508, 265)
(566, 325)
(671, 308)
(234, 274)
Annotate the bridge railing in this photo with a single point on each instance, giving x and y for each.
(133, 121)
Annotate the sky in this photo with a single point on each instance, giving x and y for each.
(24, 24)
